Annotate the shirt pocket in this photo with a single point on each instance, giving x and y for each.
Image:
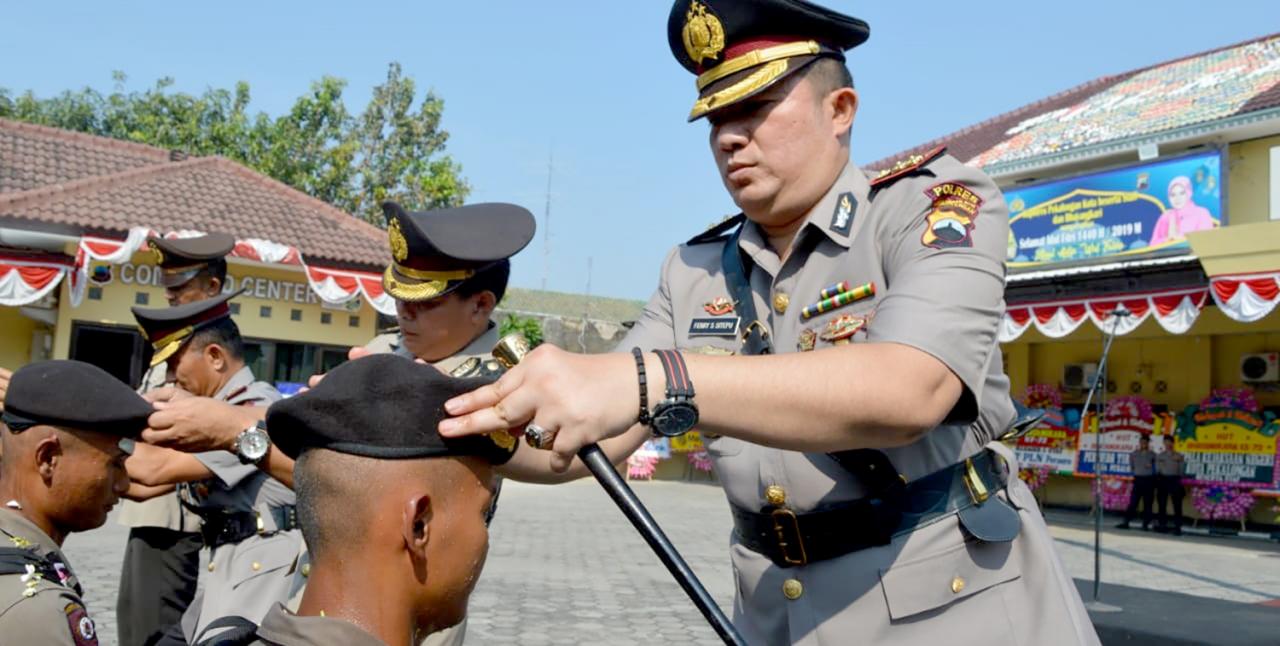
(966, 571)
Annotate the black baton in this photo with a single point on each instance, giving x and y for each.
(635, 511)
(509, 351)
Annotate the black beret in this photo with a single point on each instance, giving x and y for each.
(180, 259)
(74, 395)
(382, 406)
(738, 48)
(167, 328)
(434, 252)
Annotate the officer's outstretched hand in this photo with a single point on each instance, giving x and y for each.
(196, 424)
(4, 385)
(584, 398)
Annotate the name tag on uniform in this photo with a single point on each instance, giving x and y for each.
(714, 327)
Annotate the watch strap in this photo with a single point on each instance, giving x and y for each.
(678, 383)
(644, 418)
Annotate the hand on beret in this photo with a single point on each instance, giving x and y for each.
(166, 394)
(196, 424)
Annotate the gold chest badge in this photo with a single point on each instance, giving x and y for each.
(703, 34)
(399, 246)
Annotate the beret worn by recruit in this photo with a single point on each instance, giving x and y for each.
(180, 259)
(74, 395)
(434, 252)
(738, 48)
(166, 328)
(382, 406)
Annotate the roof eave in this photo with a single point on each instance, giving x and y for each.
(1241, 127)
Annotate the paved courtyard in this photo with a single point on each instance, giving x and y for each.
(565, 567)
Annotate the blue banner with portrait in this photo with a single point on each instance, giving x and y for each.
(1115, 214)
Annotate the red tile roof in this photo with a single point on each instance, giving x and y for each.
(1200, 88)
(105, 187)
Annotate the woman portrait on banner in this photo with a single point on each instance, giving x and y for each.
(1183, 215)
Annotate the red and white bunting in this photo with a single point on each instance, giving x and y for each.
(23, 282)
(1174, 310)
(1247, 297)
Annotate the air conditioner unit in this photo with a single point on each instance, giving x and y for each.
(1079, 376)
(1263, 367)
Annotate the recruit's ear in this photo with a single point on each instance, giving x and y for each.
(48, 454)
(415, 523)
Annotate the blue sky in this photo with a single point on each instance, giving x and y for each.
(594, 84)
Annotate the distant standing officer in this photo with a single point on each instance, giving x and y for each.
(870, 503)
(250, 523)
(162, 556)
(65, 433)
(1142, 461)
(1171, 466)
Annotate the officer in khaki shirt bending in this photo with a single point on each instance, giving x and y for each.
(867, 505)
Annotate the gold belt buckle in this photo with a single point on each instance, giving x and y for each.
(978, 492)
(780, 527)
(262, 527)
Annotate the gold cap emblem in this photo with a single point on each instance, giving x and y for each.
(399, 246)
(703, 34)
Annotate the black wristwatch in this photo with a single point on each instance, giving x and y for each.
(676, 414)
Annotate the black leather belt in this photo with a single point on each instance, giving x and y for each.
(221, 528)
(790, 539)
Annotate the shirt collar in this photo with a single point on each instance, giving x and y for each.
(481, 346)
(239, 381)
(284, 627)
(839, 222)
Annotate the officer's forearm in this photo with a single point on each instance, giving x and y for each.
(154, 466)
(278, 465)
(857, 396)
(139, 492)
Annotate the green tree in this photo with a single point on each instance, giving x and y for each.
(391, 150)
(528, 326)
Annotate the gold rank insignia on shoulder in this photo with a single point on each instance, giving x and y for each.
(395, 237)
(19, 541)
(703, 34)
(905, 166)
(466, 368)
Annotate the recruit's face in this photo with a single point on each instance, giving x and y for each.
(768, 146)
(459, 543)
(438, 328)
(88, 479)
(196, 370)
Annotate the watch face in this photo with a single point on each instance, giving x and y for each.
(254, 444)
(674, 418)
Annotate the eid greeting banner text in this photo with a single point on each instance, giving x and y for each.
(1124, 212)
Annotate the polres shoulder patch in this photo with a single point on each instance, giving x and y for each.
(83, 632)
(905, 167)
(950, 221)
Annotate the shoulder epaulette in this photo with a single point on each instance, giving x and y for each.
(718, 231)
(905, 167)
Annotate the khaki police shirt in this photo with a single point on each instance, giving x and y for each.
(933, 242)
(236, 486)
(1171, 463)
(283, 628)
(37, 610)
(162, 511)
(1142, 462)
